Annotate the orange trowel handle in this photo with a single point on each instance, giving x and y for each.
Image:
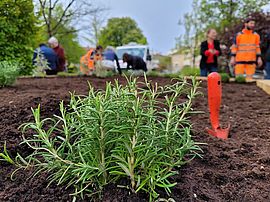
(214, 98)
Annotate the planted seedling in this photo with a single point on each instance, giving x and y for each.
(240, 79)
(225, 78)
(5, 156)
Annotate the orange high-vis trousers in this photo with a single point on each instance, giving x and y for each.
(248, 69)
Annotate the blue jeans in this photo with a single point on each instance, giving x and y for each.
(267, 69)
(208, 68)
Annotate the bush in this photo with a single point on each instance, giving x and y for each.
(9, 71)
(72, 68)
(225, 78)
(190, 71)
(123, 132)
(240, 79)
(17, 25)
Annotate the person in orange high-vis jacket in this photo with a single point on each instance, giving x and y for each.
(245, 51)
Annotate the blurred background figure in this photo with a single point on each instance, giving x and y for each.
(97, 57)
(110, 58)
(210, 50)
(43, 52)
(267, 57)
(134, 62)
(53, 43)
(245, 51)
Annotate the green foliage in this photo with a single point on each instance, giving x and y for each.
(221, 14)
(5, 156)
(190, 71)
(164, 61)
(9, 71)
(72, 68)
(69, 42)
(153, 73)
(17, 32)
(123, 132)
(225, 78)
(121, 31)
(217, 14)
(240, 79)
(66, 35)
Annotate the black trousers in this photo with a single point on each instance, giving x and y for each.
(51, 72)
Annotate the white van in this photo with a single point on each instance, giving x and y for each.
(136, 50)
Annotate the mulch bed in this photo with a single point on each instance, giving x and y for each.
(237, 169)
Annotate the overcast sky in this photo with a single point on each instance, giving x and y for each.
(158, 19)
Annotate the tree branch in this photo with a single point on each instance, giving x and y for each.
(63, 15)
(54, 4)
(43, 4)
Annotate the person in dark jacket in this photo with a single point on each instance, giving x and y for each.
(210, 50)
(135, 62)
(50, 56)
(110, 55)
(267, 58)
(54, 44)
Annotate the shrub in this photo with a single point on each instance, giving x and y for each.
(124, 132)
(190, 71)
(9, 71)
(240, 79)
(17, 25)
(72, 68)
(225, 78)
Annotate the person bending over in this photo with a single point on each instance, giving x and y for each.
(134, 62)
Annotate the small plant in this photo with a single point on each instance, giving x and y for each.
(124, 132)
(40, 64)
(190, 71)
(173, 75)
(154, 73)
(225, 78)
(5, 156)
(240, 79)
(66, 74)
(72, 68)
(9, 71)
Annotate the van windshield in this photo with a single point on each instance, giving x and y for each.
(132, 51)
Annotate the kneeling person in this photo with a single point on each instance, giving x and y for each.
(109, 56)
(49, 56)
(135, 62)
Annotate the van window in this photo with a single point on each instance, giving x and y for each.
(132, 51)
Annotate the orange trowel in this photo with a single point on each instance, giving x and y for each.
(214, 102)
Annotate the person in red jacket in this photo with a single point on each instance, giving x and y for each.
(210, 50)
(53, 43)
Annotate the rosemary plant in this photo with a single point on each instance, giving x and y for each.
(123, 132)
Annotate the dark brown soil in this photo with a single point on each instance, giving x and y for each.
(237, 169)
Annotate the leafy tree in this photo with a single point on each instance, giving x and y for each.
(67, 36)
(54, 13)
(17, 25)
(262, 28)
(193, 33)
(73, 49)
(94, 30)
(120, 31)
(221, 14)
